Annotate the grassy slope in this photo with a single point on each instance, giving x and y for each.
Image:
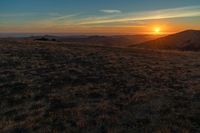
(74, 88)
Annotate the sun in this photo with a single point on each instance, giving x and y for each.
(157, 30)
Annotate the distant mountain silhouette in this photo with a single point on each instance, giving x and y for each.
(120, 40)
(188, 40)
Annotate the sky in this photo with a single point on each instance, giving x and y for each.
(99, 16)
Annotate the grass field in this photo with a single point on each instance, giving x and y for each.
(61, 87)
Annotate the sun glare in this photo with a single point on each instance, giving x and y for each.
(157, 30)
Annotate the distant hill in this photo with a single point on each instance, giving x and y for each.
(120, 40)
(188, 40)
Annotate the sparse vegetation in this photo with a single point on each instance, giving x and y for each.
(59, 87)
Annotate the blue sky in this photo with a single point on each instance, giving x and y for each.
(95, 16)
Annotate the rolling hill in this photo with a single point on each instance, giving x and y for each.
(118, 40)
(188, 40)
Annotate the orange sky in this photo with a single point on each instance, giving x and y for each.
(168, 20)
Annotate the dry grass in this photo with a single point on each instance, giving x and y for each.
(49, 87)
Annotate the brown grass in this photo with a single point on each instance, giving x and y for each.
(58, 87)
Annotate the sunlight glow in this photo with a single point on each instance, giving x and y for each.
(157, 30)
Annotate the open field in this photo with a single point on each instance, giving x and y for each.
(57, 87)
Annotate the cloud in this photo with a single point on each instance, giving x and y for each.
(16, 14)
(110, 11)
(58, 21)
(65, 17)
(51, 15)
(190, 11)
(111, 18)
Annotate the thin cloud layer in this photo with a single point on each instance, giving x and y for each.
(88, 21)
(191, 11)
(110, 11)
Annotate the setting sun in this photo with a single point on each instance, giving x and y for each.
(157, 30)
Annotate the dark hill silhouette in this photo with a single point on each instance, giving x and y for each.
(188, 40)
(120, 40)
